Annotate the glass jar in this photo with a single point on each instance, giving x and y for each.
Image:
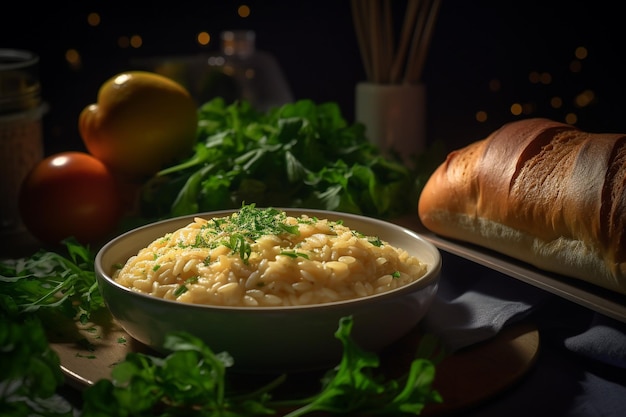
(21, 133)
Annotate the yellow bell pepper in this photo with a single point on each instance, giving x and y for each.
(141, 123)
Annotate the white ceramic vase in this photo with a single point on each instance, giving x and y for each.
(394, 116)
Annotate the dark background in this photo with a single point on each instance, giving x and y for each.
(474, 43)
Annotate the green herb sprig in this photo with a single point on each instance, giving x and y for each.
(30, 371)
(300, 154)
(354, 387)
(193, 381)
(60, 282)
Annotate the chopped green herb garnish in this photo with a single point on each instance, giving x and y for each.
(294, 254)
(80, 355)
(180, 290)
(253, 223)
(242, 228)
(183, 288)
(238, 244)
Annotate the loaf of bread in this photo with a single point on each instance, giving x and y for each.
(542, 192)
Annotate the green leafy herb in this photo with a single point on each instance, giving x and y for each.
(354, 387)
(30, 371)
(49, 280)
(297, 155)
(45, 285)
(193, 381)
(190, 381)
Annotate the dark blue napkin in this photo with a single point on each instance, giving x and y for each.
(603, 340)
(586, 333)
(474, 303)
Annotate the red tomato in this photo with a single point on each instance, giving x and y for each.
(70, 194)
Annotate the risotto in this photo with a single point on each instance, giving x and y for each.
(263, 257)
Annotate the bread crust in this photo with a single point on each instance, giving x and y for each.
(542, 192)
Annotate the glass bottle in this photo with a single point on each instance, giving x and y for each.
(240, 71)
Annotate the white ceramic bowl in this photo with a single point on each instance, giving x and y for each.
(272, 339)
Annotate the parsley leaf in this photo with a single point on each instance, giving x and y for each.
(300, 154)
(50, 280)
(353, 386)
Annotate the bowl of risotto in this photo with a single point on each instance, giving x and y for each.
(269, 285)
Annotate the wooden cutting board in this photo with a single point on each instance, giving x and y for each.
(464, 379)
(473, 375)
